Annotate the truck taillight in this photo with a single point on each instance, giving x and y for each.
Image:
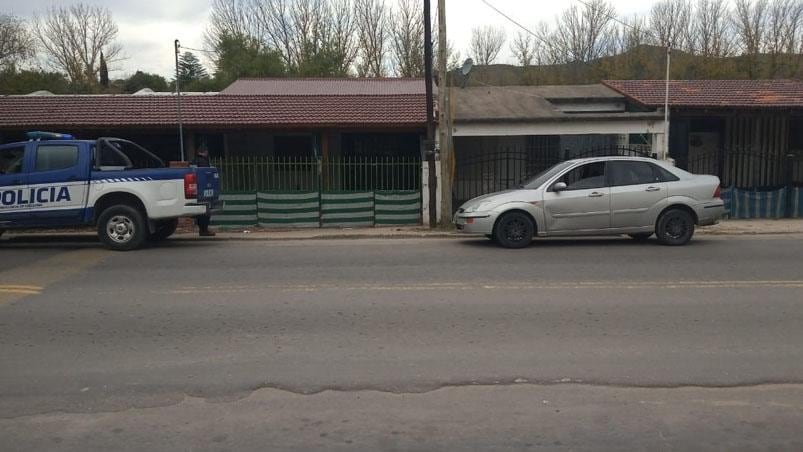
(717, 192)
(190, 186)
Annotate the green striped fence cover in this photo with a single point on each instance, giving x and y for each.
(288, 209)
(347, 209)
(397, 207)
(240, 210)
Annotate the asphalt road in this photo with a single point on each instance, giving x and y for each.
(428, 344)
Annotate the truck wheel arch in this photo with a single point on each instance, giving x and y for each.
(118, 198)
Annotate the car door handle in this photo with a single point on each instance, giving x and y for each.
(596, 194)
(653, 189)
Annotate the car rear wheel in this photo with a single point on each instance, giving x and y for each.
(164, 229)
(514, 230)
(675, 227)
(641, 237)
(122, 228)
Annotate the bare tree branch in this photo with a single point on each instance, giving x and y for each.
(16, 43)
(524, 48)
(712, 29)
(670, 24)
(582, 34)
(74, 36)
(486, 43)
(373, 35)
(407, 38)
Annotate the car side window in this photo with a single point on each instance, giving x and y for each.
(632, 173)
(11, 160)
(56, 157)
(664, 175)
(584, 177)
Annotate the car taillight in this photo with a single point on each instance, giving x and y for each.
(190, 186)
(717, 192)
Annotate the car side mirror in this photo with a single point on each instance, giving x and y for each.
(559, 186)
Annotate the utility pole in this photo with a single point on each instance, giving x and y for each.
(178, 102)
(666, 105)
(429, 145)
(443, 119)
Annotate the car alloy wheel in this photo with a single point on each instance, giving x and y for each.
(514, 230)
(675, 227)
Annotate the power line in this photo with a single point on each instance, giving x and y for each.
(197, 50)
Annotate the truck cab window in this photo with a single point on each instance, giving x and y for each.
(55, 157)
(11, 160)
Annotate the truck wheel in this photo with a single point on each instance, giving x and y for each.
(122, 228)
(164, 229)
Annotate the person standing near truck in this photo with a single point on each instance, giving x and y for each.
(202, 160)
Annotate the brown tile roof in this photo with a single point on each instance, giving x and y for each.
(327, 86)
(213, 111)
(713, 93)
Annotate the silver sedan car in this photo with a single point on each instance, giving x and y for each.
(598, 196)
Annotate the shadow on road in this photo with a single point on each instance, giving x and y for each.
(80, 241)
(583, 241)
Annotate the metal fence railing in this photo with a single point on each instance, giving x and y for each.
(293, 173)
(748, 169)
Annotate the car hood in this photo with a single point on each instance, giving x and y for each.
(491, 200)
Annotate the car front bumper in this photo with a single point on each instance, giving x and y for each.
(475, 223)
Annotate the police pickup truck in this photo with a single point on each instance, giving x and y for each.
(54, 180)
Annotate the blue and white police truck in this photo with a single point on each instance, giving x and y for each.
(54, 180)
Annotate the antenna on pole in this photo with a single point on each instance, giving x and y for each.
(178, 103)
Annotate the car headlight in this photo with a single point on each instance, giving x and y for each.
(485, 205)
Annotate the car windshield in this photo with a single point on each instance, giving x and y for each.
(542, 177)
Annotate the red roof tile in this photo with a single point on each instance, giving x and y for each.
(713, 93)
(327, 86)
(218, 110)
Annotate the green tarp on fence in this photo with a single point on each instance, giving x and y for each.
(314, 209)
(288, 209)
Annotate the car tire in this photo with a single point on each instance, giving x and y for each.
(675, 227)
(514, 230)
(122, 228)
(641, 237)
(163, 229)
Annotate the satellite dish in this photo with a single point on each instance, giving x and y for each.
(467, 66)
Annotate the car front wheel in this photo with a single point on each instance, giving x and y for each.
(122, 228)
(514, 230)
(675, 227)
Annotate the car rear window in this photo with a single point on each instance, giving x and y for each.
(56, 157)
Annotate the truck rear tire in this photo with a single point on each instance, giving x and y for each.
(122, 228)
(163, 229)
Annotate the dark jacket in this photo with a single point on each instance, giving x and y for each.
(201, 161)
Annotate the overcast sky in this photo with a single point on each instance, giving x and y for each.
(148, 27)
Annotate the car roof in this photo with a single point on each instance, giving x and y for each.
(614, 157)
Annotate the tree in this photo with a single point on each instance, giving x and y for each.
(407, 38)
(16, 43)
(310, 35)
(583, 34)
(241, 56)
(524, 49)
(190, 68)
(73, 38)
(142, 80)
(670, 23)
(783, 36)
(104, 72)
(372, 32)
(712, 29)
(13, 81)
(234, 18)
(486, 43)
